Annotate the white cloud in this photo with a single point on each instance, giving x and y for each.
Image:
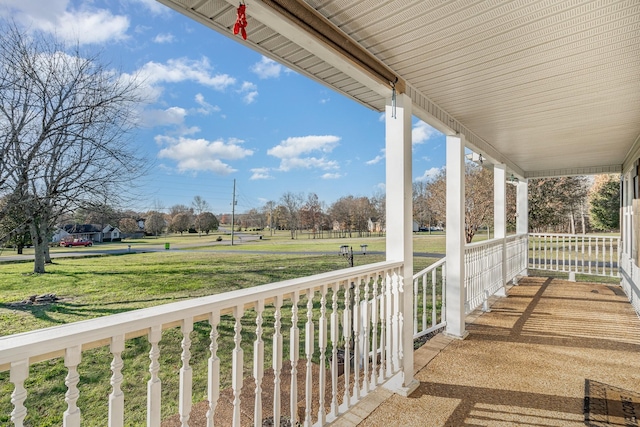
(205, 107)
(84, 25)
(194, 155)
(429, 174)
(184, 69)
(291, 152)
(267, 68)
(249, 91)
(164, 38)
(153, 6)
(261, 173)
(377, 159)
(422, 132)
(325, 100)
(170, 116)
(331, 176)
(287, 164)
(295, 146)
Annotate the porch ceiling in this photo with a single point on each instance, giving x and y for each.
(548, 87)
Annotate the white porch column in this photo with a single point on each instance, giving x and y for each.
(399, 221)
(522, 212)
(500, 217)
(455, 292)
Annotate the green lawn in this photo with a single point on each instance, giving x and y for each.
(99, 286)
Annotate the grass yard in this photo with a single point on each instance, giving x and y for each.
(99, 286)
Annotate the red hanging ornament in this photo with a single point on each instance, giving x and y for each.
(241, 22)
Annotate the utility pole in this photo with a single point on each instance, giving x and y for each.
(233, 211)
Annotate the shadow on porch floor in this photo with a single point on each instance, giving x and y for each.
(530, 361)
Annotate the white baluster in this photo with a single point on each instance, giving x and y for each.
(154, 385)
(277, 358)
(213, 386)
(425, 312)
(346, 333)
(434, 283)
(309, 349)
(365, 319)
(72, 358)
(294, 356)
(186, 374)
(258, 365)
(356, 341)
(335, 336)
(238, 365)
(401, 320)
(374, 334)
(395, 334)
(385, 322)
(590, 262)
(416, 286)
(322, 344)
(18, 374)
(116, 398)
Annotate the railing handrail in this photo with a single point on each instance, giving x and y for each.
(430, 268)
(574, 235)
(96, 332)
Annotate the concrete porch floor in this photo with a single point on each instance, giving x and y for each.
(530, 361)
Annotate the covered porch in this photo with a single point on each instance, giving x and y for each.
(534, 89)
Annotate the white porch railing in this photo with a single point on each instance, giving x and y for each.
(362, 318)
(429, 299)
(486, 271)
(576, 253)
(490, 265)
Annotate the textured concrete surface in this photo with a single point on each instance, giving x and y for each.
(527, 361)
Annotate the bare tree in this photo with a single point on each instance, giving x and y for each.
(311, 214)
(200, 205)
(478, 198)
(63, 121)
(128, 226)
(155, 223)
(292, 204)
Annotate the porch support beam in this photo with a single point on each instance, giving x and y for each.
(522, 210)
(301, 23)
(399, 238)
(456, 295)
(500, 217)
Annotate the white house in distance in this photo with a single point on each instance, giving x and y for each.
(87, 231)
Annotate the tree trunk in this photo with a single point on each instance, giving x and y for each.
(47, 255)
(38, 230)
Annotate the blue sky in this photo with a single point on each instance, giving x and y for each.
(219, 111)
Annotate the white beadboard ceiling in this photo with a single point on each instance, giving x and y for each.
(548, 87)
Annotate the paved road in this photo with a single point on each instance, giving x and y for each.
(96, 251)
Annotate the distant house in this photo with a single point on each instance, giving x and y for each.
(374, 225)
(111, 234)
(81, 231)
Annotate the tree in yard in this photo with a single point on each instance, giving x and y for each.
(63, 121)
(206, 222)
(422, 212)
(311, 214)
(478, 198)
(199, 205)
(292, 204)
(128, 226)
(604, 203)
(181, 222)
(554, 203)
(155, 223)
